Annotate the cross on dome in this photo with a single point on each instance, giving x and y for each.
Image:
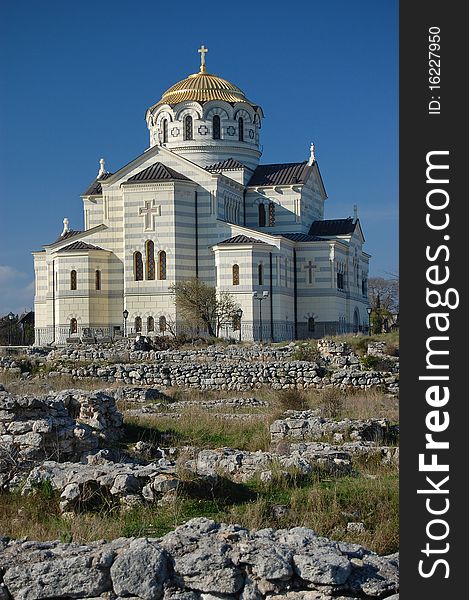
(202, 51)
(66, 223)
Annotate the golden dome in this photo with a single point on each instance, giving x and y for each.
(202, 87)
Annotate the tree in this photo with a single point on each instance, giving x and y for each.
(199, 305)
(383, 296)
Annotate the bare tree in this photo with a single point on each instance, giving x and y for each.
(199, 305)
(226, 309)
(383, 296)
(387, 289)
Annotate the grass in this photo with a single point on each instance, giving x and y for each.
(198, 427)
(324, 505)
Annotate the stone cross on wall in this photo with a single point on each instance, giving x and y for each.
(310, 267)
(150, 210)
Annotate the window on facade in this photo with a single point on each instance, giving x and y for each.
(165, 130)
(138, 324)
(363, 287)
(162, 324)
(340, 281)
(311, 324)
(216, 127)
(271, 214)
(73, 280)
(286, 272)
(73, 326)
(261, 215)
(97, 280)
(150, 252)
(235, 274)
(188, 128)
(150, 324)
(241, 129)
(138, 266)
(236, 323)
(260, 274)
(162, 265)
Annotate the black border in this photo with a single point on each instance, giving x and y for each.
(421, 133)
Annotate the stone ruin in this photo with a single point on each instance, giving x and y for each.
(60, 427)
(308, 425)
(200, 560)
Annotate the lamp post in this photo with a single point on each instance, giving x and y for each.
(369, 310)
(239, 314)
(11, 316)
(125, 314)
(260, 297)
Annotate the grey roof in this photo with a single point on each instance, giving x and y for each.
(70, 233)
(242, 239)
(333, 227)
(79, 246)
(95, 189)
(280, 174)
(157, 172)
(230, 164)
(302, 237)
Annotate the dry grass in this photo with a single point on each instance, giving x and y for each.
(324, 505)
(198, 427)
(44, 385)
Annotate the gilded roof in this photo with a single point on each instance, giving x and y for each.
(202, 87)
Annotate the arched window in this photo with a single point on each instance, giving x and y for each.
(260, 274)
(138, 324)
(150, 252)
(97, 280)
(150, 324)
(235, 274)
(216, 127)
(162, 324)
(188, 127)
(138, 266)
(165, 131)
(241, 129)
(73, 326)
(73, 280)
(271, 214)
(162, 265)
(311, 324)
(261, 215)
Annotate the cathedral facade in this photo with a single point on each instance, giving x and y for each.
(198, 203)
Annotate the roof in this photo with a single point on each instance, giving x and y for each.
(280, 174)
(26, 318)
(157, 172)
(202, 87)
(333, 227)
(302, 237)
(230, 164)
(95, 189)
(68, 234)
(242, 239)
(79, 246)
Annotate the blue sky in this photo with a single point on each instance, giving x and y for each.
(76, 79)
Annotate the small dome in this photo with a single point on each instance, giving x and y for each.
(202, 87)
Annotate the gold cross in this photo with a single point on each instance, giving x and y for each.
(202, 50)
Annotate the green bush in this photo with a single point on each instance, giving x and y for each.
(307, 352)
(376, 363)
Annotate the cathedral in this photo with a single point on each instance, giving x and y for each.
(198, 203)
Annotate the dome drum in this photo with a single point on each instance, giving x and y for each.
(209, 114)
